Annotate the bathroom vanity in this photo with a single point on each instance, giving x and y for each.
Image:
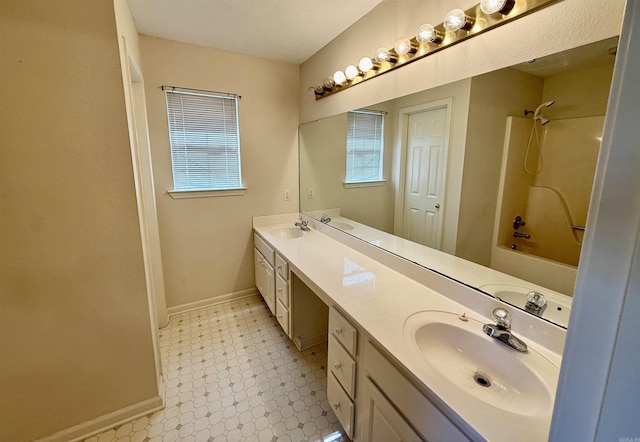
(407, 357)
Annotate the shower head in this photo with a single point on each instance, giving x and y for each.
(537, 112)
(543, 120)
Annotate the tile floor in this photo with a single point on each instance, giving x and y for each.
(231, 374)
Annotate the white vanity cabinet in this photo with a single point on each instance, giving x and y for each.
(342, 369)
(391, 408)
(264, 259)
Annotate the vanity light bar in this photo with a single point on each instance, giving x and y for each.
(457, 26)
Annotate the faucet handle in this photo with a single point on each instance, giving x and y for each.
(502, 318)
(536, 299)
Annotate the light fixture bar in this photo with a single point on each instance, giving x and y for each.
(388, 60)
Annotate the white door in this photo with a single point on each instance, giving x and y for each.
(424, 177)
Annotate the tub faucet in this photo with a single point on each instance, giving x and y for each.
(325, 219)
(521, 235)
(501, 330)
(302, 224)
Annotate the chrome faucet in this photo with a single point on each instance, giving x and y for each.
(521, 235)
(325, 219)
(302, 224)
(501, 330)
(536, 303)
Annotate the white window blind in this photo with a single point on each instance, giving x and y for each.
(205, 139)
(364, 146)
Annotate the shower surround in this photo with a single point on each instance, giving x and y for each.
(551, 194)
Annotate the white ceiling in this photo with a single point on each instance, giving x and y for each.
(283, 30)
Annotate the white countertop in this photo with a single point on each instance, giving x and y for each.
(475, 275)
(380, 299)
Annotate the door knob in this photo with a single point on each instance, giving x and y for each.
(438, 206)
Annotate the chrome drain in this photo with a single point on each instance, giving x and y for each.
(482, 380)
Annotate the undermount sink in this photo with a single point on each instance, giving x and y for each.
(287, 232)
(341, 225)
(463, 362)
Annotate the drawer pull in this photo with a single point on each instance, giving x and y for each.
(337, 365)
(336, 405)
(338, 331)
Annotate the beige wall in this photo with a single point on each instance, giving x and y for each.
(206, 242)
(583, 93)
(542, 33)
(76, 336)
(127, 28)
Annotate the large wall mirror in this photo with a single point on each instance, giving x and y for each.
(486, 180)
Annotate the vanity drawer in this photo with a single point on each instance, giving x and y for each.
(282, 315)
(282, 267)
(342, 366)
(344, 332)
(264, 248)
(341, 404)
(282, 291)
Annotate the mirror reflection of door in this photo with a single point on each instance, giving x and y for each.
(426, 155)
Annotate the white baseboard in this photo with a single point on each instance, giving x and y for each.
(211, 301)
(105, 422)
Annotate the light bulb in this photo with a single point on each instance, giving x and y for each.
(339, 78)
(404, 46)
(319, 90)
(456, 20)
(351, 72)
(493, 6)
(383, 54)
(428, 34)
(328, 83)
(366, 64)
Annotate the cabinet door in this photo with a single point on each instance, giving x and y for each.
(265, 280)
(384, 423)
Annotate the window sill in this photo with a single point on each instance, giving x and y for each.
(180, 194)
(364, 184)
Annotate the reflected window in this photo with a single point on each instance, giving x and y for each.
(355, 274)
(365, 145)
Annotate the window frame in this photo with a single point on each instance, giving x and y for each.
(214, 116)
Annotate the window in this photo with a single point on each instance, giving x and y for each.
(205, 139)
(364, 146)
